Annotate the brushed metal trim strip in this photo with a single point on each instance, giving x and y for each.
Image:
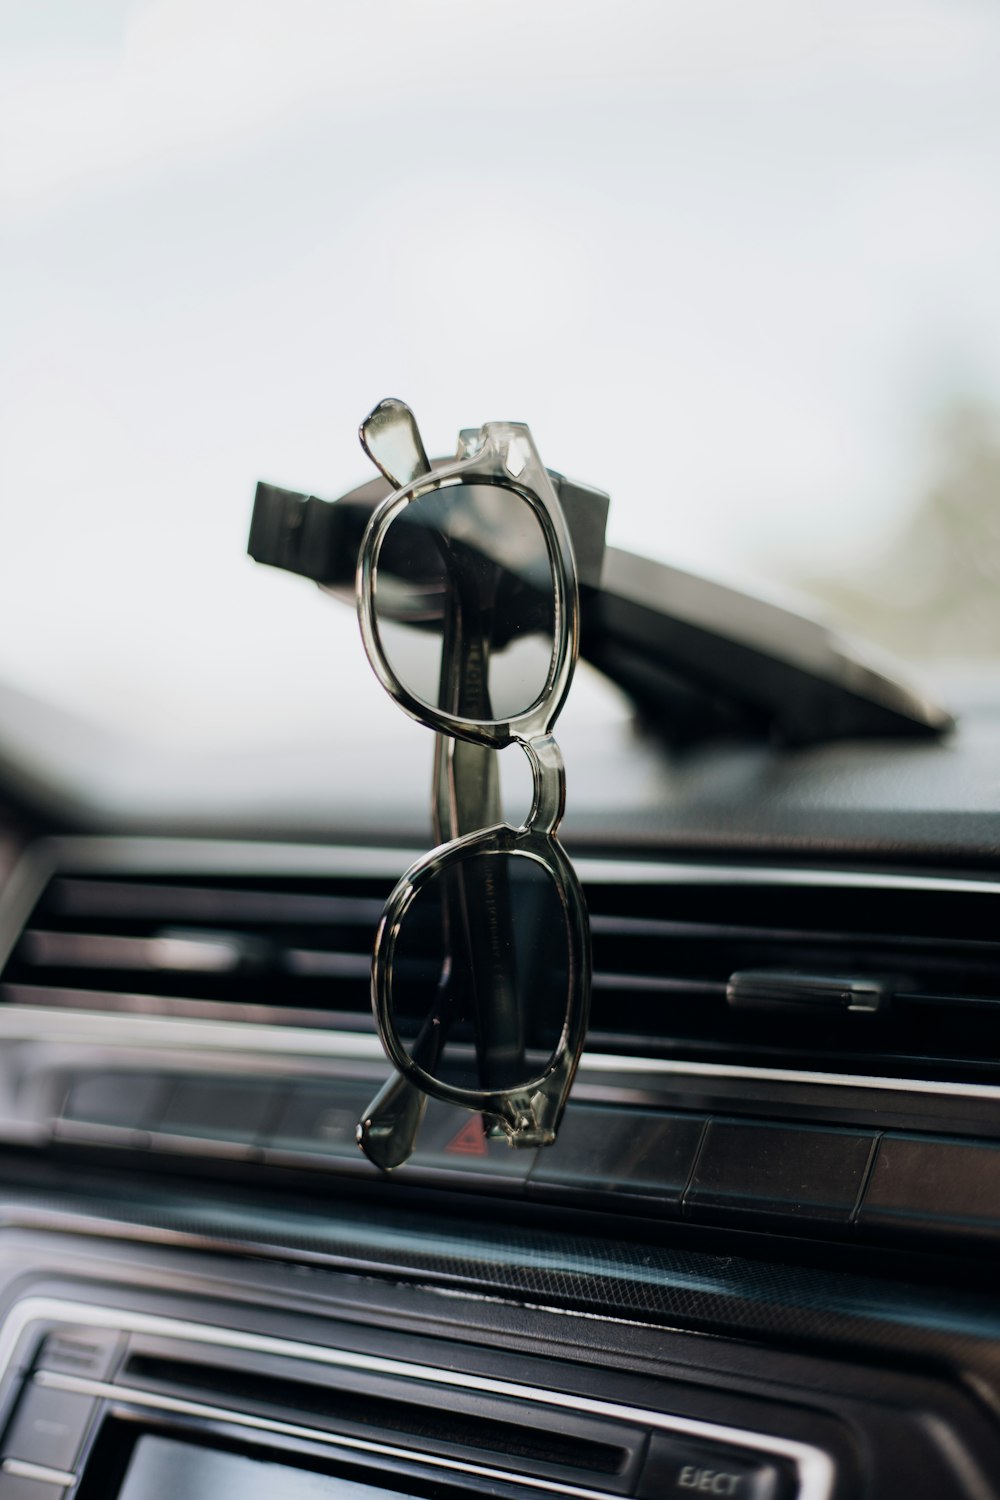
(134, 855)
(815, 1468)
(131, 854)
(607, 1062)
(227, 1041)
(123, 1031)
(641, 872)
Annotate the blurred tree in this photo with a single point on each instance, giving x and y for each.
(934, 592)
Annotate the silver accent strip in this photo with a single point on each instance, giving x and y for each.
(18, 1468)
(606, 1062)
(150, 856)
(123, 1030)
(193, 953)
(228, 1040)
(624, 872)
(815, 1468)
(173, 856)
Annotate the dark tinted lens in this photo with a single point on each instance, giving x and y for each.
(490, 1018)
(464, 601)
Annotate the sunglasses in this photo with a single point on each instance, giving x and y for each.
(468, 604)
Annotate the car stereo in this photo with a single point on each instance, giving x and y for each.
(114, 1404)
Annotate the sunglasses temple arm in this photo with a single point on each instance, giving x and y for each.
(388, 1130)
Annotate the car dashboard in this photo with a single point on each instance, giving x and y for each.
(758, 1261)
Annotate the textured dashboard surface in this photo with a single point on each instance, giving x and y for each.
(658, 1284)
(936, 800)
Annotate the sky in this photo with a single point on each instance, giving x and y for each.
(729, 260)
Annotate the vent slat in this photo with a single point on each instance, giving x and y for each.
(712, 932)
(657, 984)
(125, 901)
(203, 1009)
(310, 961)
(988, 1002)
(205, 953)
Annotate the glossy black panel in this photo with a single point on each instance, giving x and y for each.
(620, 1152)
(321, 1119)
(220, 1109)
(750, 1171)
(127, 1099)
(933, 1187)
(452, 1139)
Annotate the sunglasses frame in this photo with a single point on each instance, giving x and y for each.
(501, 453)
(503, 445)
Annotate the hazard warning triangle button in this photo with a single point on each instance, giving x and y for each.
(469, 1140)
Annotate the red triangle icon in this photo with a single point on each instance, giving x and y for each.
(470, 1140)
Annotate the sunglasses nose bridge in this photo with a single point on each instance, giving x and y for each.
(549, 780)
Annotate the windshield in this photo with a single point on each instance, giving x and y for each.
(736, 264)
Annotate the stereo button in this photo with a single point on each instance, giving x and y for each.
(49, 1427)
(14, 1487)
(678, 1467)
(72, 1350)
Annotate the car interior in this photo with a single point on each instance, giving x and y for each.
(747, 1247)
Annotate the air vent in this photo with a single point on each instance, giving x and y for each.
(864, 978)
(274, 949)
(828, 973)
